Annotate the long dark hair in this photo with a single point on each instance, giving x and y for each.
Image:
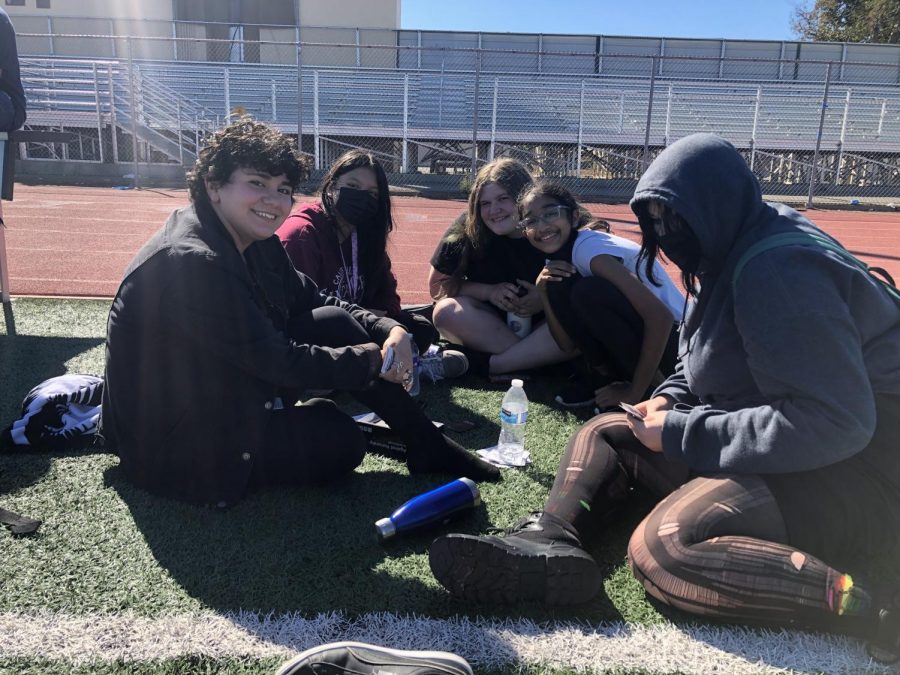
(373, 238)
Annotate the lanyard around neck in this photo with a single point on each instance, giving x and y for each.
(352, 275)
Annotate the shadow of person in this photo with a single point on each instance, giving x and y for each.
(308, 550)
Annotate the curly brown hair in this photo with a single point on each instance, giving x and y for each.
(245, 144)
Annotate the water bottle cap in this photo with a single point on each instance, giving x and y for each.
(473, 486)
(385, 529)
(517, 383)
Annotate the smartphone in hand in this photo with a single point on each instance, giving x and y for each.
(631, 410)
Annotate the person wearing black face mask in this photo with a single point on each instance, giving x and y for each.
(341, 244)
(773, 447)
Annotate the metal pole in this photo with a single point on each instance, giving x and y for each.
(227, 83)
(99, 110)
(881, 116)
(134, 113)
(405, 157)
(493, 122)
(755, 124)
(621, 112)
(646, 158)
(815, 163)
(316, 120)
(274, 103)
(180, 139)
(299, 84)
(668, 116)
(580, 131)
(840, 153)
(358, 60)
(475, 113)
(114, 127)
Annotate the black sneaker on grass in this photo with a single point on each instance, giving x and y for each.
(359, 658)
(539, 559)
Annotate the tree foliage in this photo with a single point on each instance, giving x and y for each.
(848, 20)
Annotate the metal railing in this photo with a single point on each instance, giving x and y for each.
(814, 138)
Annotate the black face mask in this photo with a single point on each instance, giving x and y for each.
(357, 207)
(683, 249)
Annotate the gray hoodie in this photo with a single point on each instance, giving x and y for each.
(779, 373)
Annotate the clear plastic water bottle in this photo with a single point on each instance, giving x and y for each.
(414, 389)
(513, 415)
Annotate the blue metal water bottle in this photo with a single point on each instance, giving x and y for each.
(430, 508)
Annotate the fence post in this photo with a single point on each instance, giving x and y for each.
(668, 116)
(226, 80)
(274, 103)
(493, 122)
(114, 128)
(99, 110)
(753, 132)
(404, 162)
(475, 113)
(317, 159)
(299, 85)
(645, 161)
(180, 139)
(840, 152)
(134, 113)
(580, 131)
(881, 116)
(815, 163)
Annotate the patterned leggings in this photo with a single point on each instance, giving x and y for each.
(715, 546)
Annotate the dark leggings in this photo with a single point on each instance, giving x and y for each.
(315, 442)
(605, 326)
(721, 546)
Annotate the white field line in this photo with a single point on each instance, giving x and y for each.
(485, 643)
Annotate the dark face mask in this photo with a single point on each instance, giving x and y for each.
(683, 249)
(357, 207)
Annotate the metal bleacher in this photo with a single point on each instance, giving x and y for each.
(168, 104)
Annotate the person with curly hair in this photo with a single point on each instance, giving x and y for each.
(213, 337)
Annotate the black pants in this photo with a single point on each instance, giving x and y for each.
(315, 442)
(417, 324)
(605, 326)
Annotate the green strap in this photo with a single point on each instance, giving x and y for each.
(804, 239)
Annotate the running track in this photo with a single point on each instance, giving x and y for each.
(76, 241)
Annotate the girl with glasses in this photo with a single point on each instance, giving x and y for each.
(597, 302)
(482, 269)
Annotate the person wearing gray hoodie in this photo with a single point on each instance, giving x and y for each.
(774, 447)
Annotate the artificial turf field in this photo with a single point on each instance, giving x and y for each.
(117, 581)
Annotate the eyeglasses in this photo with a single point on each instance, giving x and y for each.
(550, 214)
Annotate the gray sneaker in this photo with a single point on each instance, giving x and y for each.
(445, 364)
(359, 658)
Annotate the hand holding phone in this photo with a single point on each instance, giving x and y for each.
(631, 410)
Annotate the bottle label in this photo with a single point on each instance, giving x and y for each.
(510, 417)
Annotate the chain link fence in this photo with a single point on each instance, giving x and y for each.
(814, 132)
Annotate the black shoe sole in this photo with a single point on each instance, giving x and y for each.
(484, 570)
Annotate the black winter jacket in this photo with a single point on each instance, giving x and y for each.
(197, 355)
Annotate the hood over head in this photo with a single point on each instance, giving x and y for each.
(705, 180)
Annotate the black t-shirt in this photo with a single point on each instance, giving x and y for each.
(504, 259)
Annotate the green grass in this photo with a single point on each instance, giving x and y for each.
(106, 547)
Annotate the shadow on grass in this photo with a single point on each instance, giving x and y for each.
(26, 361)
